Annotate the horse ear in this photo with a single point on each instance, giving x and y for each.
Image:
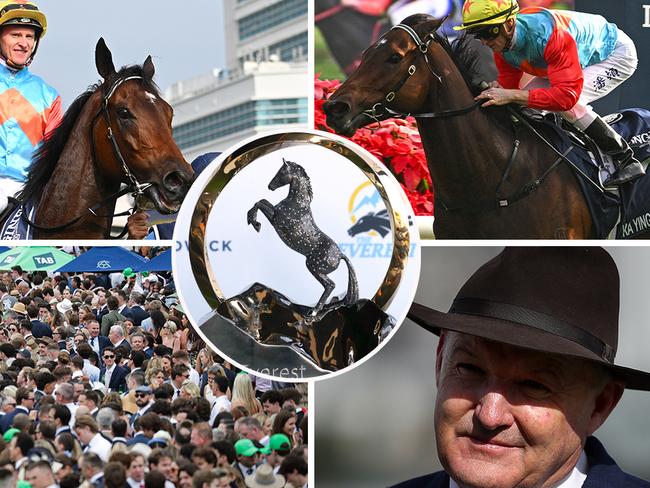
(104, 59)
(148, 68)
(431, 25)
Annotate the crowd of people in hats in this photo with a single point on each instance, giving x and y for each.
(103, 383)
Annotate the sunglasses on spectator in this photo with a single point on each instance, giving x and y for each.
(141, 395)
(487, 33)
(108, 356)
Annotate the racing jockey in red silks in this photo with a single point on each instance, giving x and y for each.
(560, 61)
(29, 108)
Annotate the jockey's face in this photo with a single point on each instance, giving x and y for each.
(503, 39)
(17, 44)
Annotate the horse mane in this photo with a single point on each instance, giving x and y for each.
(299, 169)
(47, 156)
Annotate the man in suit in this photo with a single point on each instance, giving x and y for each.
(112, 317)
(116, 336)
(525, 372)
(96, 341)
(122, 305)
(138, 313)
(112, 375)
(39, 329)
(24, 403)
(91, 467)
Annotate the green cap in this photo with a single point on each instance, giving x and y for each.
(23, 484)
(278, 442)
(128, 272)
(245, 447)
(10, 434)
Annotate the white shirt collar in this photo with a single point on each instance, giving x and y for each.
(575, 479)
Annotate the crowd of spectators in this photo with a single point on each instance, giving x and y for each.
(103, 382)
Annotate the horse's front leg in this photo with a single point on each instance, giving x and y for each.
(267, 209)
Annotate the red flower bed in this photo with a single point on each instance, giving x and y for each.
(396, 143)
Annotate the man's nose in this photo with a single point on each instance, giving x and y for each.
(494, 411)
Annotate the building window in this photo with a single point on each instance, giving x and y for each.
(291, 49)
(271, 16)
(239, 118)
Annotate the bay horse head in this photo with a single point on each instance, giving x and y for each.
(398, 75)
(133, 134)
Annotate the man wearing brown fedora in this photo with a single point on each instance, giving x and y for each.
(525, 373)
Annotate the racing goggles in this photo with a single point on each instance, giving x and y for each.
(486, 33)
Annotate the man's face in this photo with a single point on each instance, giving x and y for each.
(142, 399)
(78, 388)
(42, 349)
(84, 434)
(221, 482)
(499, 42)
(184, 480)
(44, 315)
(506, 416)
(109, 359)
(93, 328)
(271, 408)
(39, 477)
(165, 466)
(250, 432)
(197, 440)
(136, 469)
(248, 461)
(101, 295)
(137, 343)
(201, 463)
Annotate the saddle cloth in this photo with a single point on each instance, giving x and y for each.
(632, 200)
(14, 227)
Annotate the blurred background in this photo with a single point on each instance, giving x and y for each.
(374, 425)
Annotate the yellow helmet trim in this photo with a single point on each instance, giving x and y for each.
(487, 12)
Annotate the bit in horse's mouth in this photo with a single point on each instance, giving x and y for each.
(161, 201)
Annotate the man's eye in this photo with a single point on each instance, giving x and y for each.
(535, 388)
(468, 369)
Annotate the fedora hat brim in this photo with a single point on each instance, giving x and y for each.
(520, 335)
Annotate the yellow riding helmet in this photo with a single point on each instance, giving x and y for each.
(23, 13)
(487, 12)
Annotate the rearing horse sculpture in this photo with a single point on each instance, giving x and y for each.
(293, 221)
(490, 182)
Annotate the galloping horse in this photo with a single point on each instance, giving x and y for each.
(119, 131)
(293, 221)
(490, 182)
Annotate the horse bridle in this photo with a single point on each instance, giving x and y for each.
(381, 110)
(137, 187)
(134, 187)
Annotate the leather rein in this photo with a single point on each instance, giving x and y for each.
(133, 186)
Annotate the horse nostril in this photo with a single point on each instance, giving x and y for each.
(336, 108)
(173, 181)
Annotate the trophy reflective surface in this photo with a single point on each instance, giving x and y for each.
(296, 254)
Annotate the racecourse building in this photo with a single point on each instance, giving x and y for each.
(265, 85)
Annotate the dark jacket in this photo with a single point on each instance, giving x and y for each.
(603, 473)
(118, 378)
(40, 329)
(8, 419)
(138, 314)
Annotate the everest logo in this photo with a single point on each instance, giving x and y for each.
(103, 264)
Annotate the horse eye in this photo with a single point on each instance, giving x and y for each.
(124, 113)
(395, 58)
